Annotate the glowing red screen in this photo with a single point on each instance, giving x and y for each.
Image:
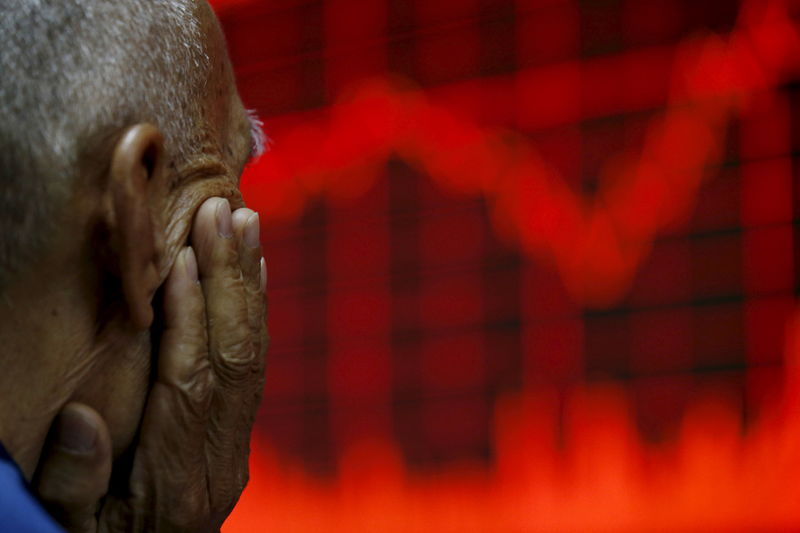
(532, 264)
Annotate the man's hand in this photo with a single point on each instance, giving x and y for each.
(190, 463)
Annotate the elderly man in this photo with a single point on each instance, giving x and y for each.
(132, 306)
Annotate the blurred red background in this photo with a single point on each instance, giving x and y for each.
(532, 263)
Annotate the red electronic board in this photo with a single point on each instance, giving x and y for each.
(532, 264)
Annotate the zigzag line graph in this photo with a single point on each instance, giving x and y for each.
(597, 243)
(601, 477)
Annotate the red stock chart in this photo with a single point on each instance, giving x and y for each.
(532, 264)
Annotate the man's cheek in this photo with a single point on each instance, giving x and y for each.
(122, 394)
(126, 415)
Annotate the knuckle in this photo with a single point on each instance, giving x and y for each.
(190, 375)
(198, 389)
(235, 360)
(226, 256)
(219, 281)
(254, 294)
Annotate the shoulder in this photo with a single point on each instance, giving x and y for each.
(19, 510)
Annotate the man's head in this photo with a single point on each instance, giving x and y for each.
(117, 119)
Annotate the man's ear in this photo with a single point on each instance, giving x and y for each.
(137, 169)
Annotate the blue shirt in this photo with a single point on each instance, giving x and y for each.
(20, 512)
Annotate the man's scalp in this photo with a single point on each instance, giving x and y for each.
(73, 72)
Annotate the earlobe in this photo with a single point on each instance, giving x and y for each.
(137, 168)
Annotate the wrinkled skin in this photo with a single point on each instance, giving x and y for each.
(190, 463)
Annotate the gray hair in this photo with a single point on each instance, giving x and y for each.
(74, 73)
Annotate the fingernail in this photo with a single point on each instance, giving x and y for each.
(263, 275)
(224, 223)
(251, 231)
(190, 263)
(75, 433)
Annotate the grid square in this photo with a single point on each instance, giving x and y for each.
(717, 266)
(661, 341)
(769, 260)
(719, 338)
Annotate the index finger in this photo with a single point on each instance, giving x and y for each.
(233, 353)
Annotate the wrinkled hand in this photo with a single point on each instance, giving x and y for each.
(190, 463)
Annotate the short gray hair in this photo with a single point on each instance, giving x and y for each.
(74, 73)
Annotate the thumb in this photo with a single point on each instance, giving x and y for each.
(75, 467)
